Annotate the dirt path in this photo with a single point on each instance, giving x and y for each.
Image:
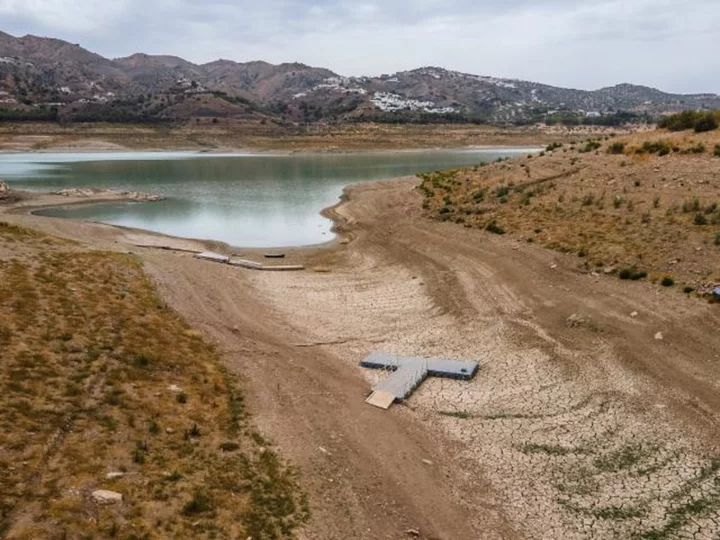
(576, 427)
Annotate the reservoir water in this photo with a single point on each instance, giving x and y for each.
(257, 200)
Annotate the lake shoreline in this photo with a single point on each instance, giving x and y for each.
(242, 200)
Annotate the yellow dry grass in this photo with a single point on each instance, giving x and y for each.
(89, 358)
(646, 203)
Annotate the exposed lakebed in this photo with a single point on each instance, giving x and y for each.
(258, 200)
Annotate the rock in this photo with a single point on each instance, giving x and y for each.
(427, 462)
(4, 189)
(169, 430)
(634, 314)
(95, 192)
(553, 266)
(413, 532)
(104, 496)
(175, 388)
(114, 475)
(659, 336)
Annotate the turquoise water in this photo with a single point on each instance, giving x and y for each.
(244, 200)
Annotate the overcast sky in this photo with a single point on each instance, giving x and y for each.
(668, 44)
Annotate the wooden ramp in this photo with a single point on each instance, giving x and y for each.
(244, 263)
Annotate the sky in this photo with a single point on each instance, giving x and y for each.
(668, 44)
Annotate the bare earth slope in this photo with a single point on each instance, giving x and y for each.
(580, 424)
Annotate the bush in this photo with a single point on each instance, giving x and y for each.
(494, 228)
(632, 273)
(616, 148)
(706, 122)
(688, 290)
(716, 152)
(590, 146)
(697, 120)
(667, 281)
(717, 239)
(661, 148)
(199, 504)
(700, 220)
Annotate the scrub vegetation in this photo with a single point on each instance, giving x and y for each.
(624, 206)
(93, 366)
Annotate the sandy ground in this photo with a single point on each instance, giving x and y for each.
(575, 427)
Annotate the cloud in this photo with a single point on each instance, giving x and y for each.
(587, 45)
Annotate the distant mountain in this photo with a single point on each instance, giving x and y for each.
(46, 78)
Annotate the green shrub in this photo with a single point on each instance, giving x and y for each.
(700, 220)
(616, 148)
(632, 273)
(707, 122)
(494, 228)
(688, 290)
(717, 239)
(667, 281)
(661, 148)
(716, 152)
(199, 504)
(590, 146)
(697, 120)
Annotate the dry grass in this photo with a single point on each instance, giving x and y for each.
(89, 354)
(644, 203)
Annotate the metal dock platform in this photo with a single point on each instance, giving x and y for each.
(407, 374)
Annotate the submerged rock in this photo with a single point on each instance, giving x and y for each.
(109, 192)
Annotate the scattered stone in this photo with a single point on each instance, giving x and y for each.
(104, 496)
(344, 242)
(169, 430)
(4, 190)
(609, 269)
(553, 266)
(175, 388)
(427, 462)
(575, 320)
(659, 336)
(114, 475)
(413, 532)
(323, 450)
(634, 314)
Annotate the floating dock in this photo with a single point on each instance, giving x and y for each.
(244, 263)
(407, 374)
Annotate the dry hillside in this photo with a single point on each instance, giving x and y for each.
(104, 388)
(639, 206)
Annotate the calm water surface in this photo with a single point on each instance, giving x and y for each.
(244, 200)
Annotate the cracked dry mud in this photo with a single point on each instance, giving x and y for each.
(575, 442)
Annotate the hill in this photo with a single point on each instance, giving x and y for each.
(45, 78)
(625, 206)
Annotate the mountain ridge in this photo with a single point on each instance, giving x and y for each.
(38, 74)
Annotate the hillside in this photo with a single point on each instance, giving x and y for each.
(118, 419)
(636, 207)
(50, 79)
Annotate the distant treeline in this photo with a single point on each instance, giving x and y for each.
(29, 115)
(696, 120)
